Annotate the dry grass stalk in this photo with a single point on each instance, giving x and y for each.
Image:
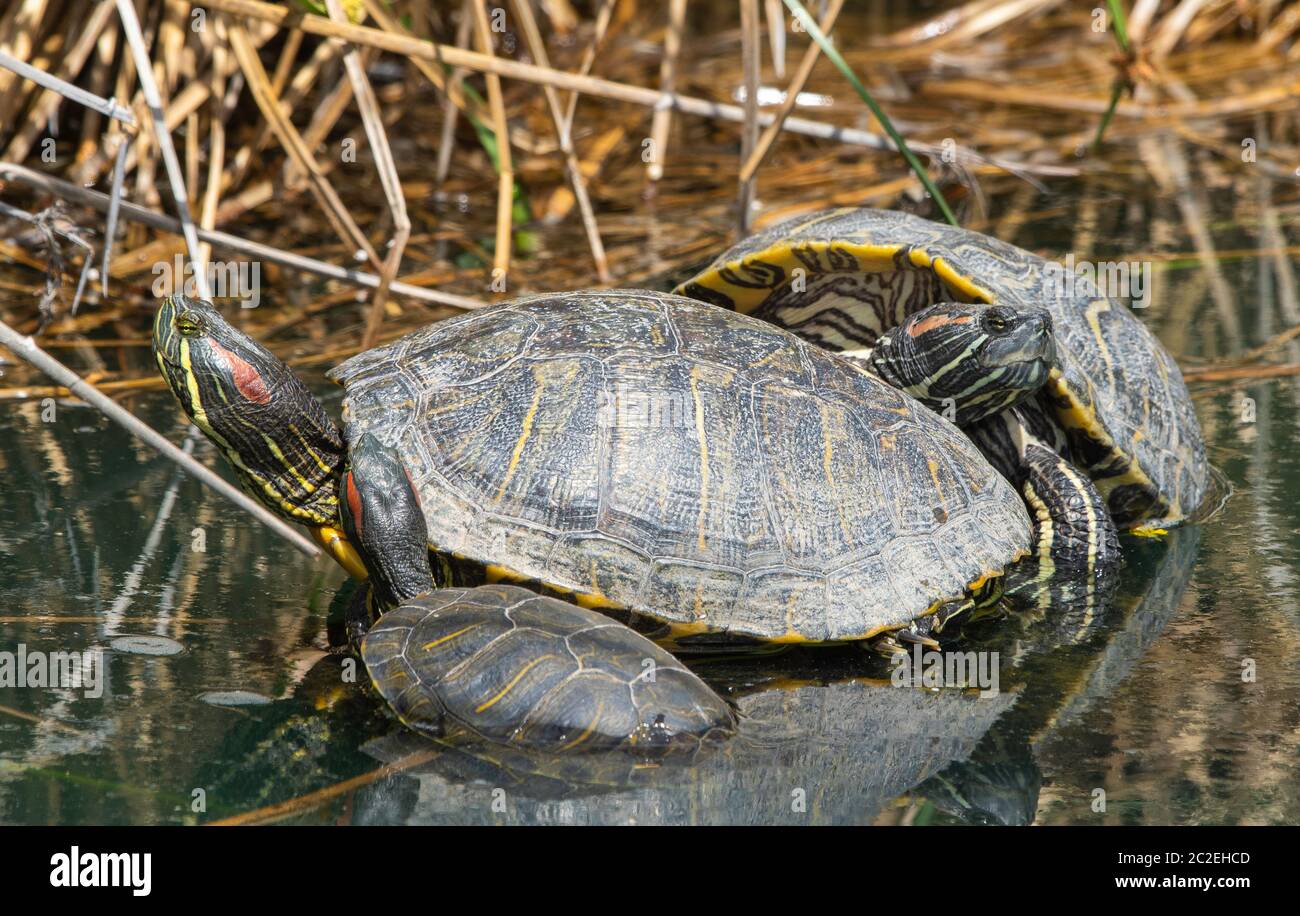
(661, 122)
(392, 185)
(505, 163)
(293, 143)
(537, 48)
(749, 37)
(797, 82)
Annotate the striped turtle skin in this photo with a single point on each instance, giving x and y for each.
(636, 451)
(840, 278)
(518, 668)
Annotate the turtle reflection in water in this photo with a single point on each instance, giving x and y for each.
(1064, 664)
(816, 743)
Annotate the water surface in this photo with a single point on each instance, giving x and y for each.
(223, 699)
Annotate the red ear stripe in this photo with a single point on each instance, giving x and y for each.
(247, 380)
(414, 488)
(937, 321)
(354, 502)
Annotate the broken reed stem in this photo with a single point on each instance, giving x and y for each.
(749, 51)
(163, 137)
(107, 108)
(589, 56)
(226, 241)
(312, 800)
(373, 121)
(589, 85)
(47, 103)
(216, 140)
(26, 349)
(263, 93)
(537, 47)
(449, 109)
(797, 82)
(662, 120)
(505, 165)
(776, 35)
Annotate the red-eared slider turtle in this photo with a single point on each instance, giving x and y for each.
(1115, 406)
(638, 453)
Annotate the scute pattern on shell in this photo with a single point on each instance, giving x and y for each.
(1113, 368)
(516, 667)
(691, 464)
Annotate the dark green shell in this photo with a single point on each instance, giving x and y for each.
(840, 277)
(519, 668)
(648, 452)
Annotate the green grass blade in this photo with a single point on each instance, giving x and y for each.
(1121, 24)
(806, 20)
(1116, 91)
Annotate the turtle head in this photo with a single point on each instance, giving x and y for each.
(283, 447)
(966, 361)
(383, 520)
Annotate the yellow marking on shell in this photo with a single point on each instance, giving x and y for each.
(596, 602)
(335, 543)
(450, 636)
(495, 573)
(960, 282)
(1091, 314)
(934, 477)
(704, 455)
(588, 731)
(871, 258)
(523, 435)
(510, 686)
(1076, 416)
(682, 630)
(827, 454)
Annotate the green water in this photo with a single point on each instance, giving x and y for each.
(100, 538)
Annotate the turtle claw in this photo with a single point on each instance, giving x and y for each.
(898, 642)
(907, 636)
(886, 646)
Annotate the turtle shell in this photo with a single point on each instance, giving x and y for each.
(642, 451)
(841, 277)
(516, 667)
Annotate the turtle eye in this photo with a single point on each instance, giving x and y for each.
(189, 323)
(996, 323)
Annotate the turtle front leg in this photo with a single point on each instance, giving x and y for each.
(359, 616)
(1073, 530)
